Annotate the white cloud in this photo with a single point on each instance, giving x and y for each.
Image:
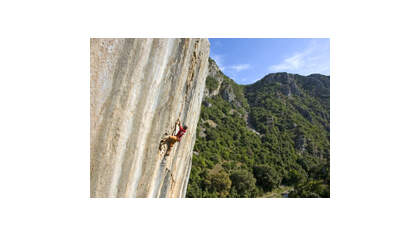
(313, 59)
(233, 71)
(240, 67)
(219, 60)
(291, 63)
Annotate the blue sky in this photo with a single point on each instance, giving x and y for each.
(248, 60)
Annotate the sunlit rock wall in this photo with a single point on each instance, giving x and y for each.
(138, 89)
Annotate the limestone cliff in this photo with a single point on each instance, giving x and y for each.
(215, 75)
(138, 89)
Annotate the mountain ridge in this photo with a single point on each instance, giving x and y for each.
(272, 134)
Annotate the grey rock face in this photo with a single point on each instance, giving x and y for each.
(138, 89)
(228, 94)
(207, 104)
(288, 82)
(215, 72)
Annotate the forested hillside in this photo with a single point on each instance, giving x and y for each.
(268, 139)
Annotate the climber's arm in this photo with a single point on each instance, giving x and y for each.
(179, 124)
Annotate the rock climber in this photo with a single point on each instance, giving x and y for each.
(177, 138)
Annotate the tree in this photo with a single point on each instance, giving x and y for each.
(295, 177)
(243, 183)
(311, 189)
(267, 177)
(220, 183)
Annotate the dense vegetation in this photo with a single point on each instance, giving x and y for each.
(211, 83)
(288, 148)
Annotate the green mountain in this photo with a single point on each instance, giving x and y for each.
(267, 139)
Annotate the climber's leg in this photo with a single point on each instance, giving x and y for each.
(163, 142)
(171, 141)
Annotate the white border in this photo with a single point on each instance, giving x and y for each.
(44, 97)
